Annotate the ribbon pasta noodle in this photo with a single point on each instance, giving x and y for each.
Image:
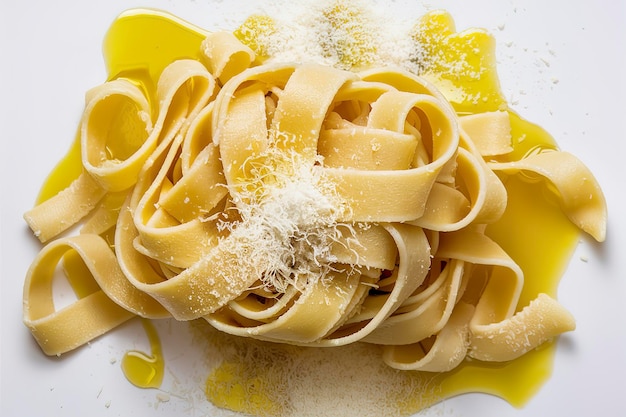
(300, 204)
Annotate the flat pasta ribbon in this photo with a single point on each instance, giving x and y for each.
(575, 184)
(110, 301)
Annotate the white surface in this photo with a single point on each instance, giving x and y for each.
(562, 62)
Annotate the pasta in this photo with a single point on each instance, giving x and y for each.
(300, 204)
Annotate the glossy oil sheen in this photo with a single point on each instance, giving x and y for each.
(533, 230)
(142, 369)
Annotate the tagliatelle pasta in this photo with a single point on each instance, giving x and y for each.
(300, 204)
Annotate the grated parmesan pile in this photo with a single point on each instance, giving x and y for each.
(285, 380)
(286, 224)
(342, 34)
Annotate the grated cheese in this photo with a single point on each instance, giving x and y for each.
(347, 35)
(286, 224)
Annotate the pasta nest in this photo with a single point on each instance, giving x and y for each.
(299, 204)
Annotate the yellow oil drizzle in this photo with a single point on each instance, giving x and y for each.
(461, 64)
(232, 386)
(141, 43)
(142, 370)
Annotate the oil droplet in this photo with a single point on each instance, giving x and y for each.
(142, 370)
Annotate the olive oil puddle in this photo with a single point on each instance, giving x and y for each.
(145, 370)
(533, 231)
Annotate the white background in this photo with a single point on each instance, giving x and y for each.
(563, 65)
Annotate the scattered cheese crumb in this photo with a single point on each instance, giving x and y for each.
(162, 397)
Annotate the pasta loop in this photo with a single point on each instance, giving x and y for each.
(109, 300)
